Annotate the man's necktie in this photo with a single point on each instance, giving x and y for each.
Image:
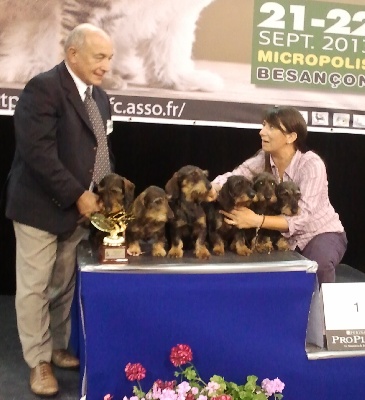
(102, 163)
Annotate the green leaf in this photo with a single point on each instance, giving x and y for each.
(234, 386)
(190, 374)
(251, 383)
(260, 396)
(138, 392)
(246, 396)
(252, 379)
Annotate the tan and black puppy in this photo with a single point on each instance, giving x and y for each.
(116, 193)
(237, 191)
(150, 211)
(264, 184)
(288, 196)
(189, 188)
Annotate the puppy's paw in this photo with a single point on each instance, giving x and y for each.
(242, 250)
(175, 252)
(158, 250)
(134, 249)
(264, 246)
(202, 252)
(218, 249)
(282, 244)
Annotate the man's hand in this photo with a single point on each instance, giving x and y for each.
(88, 203)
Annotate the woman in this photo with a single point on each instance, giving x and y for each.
(316, 232)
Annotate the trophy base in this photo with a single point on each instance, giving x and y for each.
(109, 254)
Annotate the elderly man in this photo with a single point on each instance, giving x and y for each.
(62, 151)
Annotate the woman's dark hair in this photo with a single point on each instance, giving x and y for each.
(292, 120)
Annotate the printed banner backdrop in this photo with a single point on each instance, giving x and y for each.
(222, 62)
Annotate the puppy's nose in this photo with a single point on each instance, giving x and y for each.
(251, 194)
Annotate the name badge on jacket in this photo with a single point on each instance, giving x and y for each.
(109, 126)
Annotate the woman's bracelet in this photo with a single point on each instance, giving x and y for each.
(258, 228)
(262, 222)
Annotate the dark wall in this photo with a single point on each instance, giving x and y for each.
(150, 153)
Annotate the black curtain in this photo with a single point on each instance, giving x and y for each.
(148, 154)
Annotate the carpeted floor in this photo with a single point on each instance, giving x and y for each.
(14, 373)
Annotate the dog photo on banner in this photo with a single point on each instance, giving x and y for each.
(153, 39)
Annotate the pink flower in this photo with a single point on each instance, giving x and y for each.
(135, 372)
(108, 397)
(274, 386)
(183, 388)
(181, 354)
(212, 387)
(279, 385)
(194, 390)
(168, 394)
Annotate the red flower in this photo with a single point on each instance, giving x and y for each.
(170, 385)
(190, 396)
(135, 372)
(222, 397)
(165, 385)
(160, 384)
(181, 354)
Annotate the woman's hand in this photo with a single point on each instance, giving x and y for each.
(243, 218)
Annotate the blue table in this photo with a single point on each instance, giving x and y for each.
(240, 315)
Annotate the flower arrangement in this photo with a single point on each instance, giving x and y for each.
(192, 386)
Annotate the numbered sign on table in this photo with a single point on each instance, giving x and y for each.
(344, 313)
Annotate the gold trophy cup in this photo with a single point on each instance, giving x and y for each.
(113, 250)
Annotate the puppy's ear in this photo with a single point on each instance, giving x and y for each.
(100, 187)
(128, 193)
(172, 187)
(224, 197)
(138, 205)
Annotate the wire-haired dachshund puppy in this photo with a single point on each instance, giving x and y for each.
(264, 184)
(237, 191)
(150, 212)
(188, 188)
(116, 193)
(288, 196)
